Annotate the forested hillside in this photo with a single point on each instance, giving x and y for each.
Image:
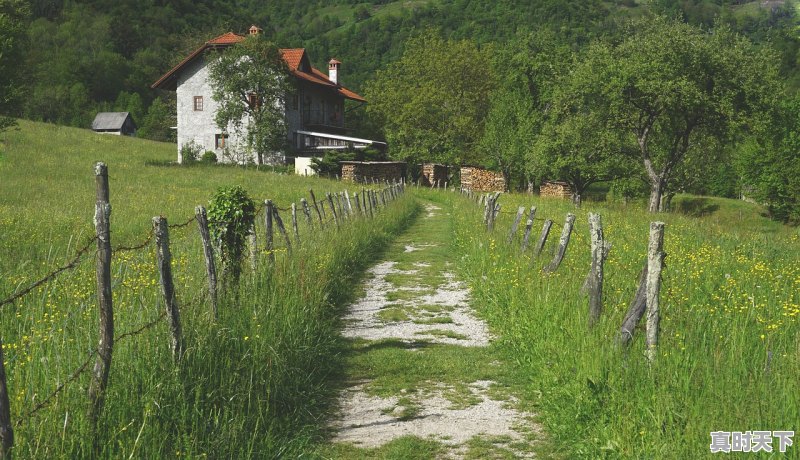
(89, 55)
(528, 114)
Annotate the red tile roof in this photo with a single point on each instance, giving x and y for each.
(226, 39)
(292, 56)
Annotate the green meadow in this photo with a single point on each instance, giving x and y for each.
(253, 384)
(729, 351)
(259, 382)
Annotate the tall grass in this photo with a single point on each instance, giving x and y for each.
(251, 384)
(729, 356)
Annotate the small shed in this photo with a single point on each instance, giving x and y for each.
(434, 174)
(556, 189)
(119, 123)
(479, 179)
(373, 171)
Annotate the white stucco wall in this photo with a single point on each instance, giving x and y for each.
(302, 166)
(198, 126)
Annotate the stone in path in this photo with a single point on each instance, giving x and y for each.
(438, 314)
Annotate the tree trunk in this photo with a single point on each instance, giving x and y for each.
(656, 190)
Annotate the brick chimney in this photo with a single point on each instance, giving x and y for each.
(255, 30)
(333, 71)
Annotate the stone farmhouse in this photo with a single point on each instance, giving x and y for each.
(315, 113)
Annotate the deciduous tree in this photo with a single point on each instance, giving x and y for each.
(677, 90)
(249, 81)
(433, 101)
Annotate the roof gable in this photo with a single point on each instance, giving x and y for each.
(110, 120)
(296, 59)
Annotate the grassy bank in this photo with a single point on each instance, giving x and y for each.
(729, 354)
(251, 384)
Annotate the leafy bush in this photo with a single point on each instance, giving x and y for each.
(232, 213)
(209, 157)
(190, 152)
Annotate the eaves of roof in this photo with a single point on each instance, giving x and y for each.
(292, 56)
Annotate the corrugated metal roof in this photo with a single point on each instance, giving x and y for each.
(339, 137)
(109, 120)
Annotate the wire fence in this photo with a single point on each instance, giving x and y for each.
(345, 212)
(650, 276)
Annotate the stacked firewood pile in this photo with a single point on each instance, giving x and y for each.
(555, 189)
(434, 174)
(373, 171)
(482, 180)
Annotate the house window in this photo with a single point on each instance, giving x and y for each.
(254, 101)
(198, 103)
(220, 141)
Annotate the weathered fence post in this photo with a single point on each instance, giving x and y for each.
(367, 202)
(358, 203)
(528, 227)
(164, 260)
(253, 246)
(542, 238)
(294, 224)
(333, 209)
(307, 212)
(515, 225)
(268, 215)
(562, 244)
(338, 201)
(655, 260)
(102, 225)
(598, 245)
(316, 208)
(6, 429)
(282, 229)
(349, 204)
(208, 252)
(635, 310)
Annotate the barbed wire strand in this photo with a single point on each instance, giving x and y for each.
(58, 389)
(51, 275)
(184, 224)
(141, 245)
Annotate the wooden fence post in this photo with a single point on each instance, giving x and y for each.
(635, 310)
(528, 228)
(307, 212)
(598, 245)
(282, 229)
(367, 201)
(6, 429)
(253, 246)
(164, 260)
(338, 201)
(102, 225)
(294, 224)
(655, 261)
(358, 202)
(268, 214)
(520, 212)
(208, 252)
(542, 238)
(562, 244)
(349, 204)
(333, 209)
(316, 208)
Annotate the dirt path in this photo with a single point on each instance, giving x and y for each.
(424, 381)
